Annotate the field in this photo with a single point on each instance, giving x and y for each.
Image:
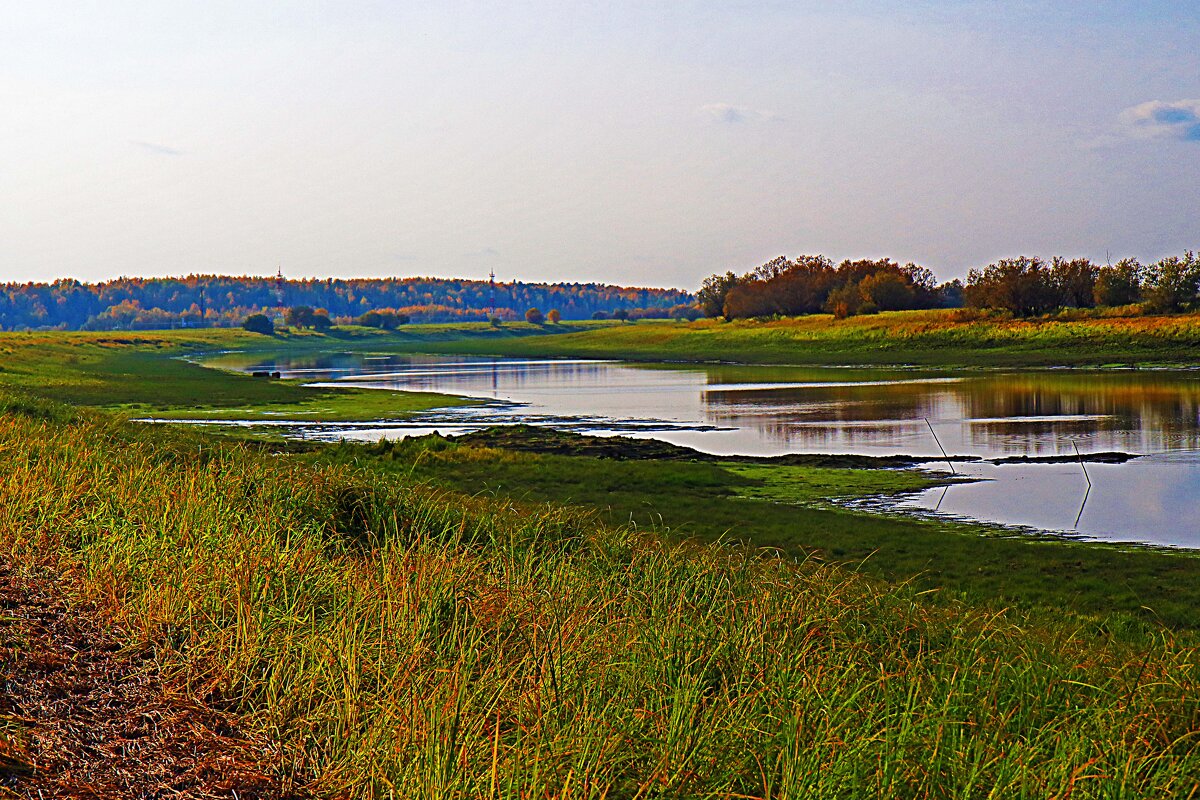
(936, 338)
(445, 619)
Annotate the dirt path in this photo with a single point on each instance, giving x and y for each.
(79, 717)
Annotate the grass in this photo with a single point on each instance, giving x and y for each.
(400, 640)
(789, 509)
(146, 374)
(942, 338)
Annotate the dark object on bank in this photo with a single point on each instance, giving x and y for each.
(1107, 457)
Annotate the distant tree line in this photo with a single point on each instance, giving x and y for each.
(813, 284)
(212, 300)
(1022, 286)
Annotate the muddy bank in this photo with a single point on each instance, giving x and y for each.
(536, 439)
(1107, 457)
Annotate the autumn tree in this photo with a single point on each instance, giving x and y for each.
(1023, 285)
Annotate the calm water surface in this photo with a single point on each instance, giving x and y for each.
(757, 410)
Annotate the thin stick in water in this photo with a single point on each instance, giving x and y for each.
(939, 444)
(1081, 464)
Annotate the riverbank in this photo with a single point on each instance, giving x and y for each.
(386, 636)
(798, 509)
(942, 338)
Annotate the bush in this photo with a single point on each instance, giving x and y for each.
(553, 317)
(1172, 284)
(534, 316)
(383, 318)
(689, 313)
(1025, 286)
(1119, 285)
(259, 323)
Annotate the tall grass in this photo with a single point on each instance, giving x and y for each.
(400, 641)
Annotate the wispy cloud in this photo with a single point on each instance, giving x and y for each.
(732, 115)
(1158, 120)
(156, 149)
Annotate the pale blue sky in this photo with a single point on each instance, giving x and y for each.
(640, 143)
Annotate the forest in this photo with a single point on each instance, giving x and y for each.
(221, 301)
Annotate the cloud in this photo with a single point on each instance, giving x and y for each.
(157, 149)
(1158, 120)
(733, 115)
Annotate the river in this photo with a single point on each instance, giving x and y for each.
(767, 410)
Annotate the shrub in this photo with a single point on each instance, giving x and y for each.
(534, 317)
(1023, 285)
(259, 323)
(386, 319)
(1119, 285)
(1172, 284)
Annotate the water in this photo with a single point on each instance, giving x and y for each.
(757, 410)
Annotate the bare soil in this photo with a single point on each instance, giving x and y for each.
(81, 716)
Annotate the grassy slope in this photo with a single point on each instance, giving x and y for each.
(787, 508)
(912, 337)
(138, 373)
(397, 641)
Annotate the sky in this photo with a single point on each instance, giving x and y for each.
(640, 143)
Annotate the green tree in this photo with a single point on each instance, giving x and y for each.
(1172, 284)
(1119, 284)
(299, 316)
(886, 291)
(259, 323)
(711, 297)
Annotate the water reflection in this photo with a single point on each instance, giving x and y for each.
(772, 410)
